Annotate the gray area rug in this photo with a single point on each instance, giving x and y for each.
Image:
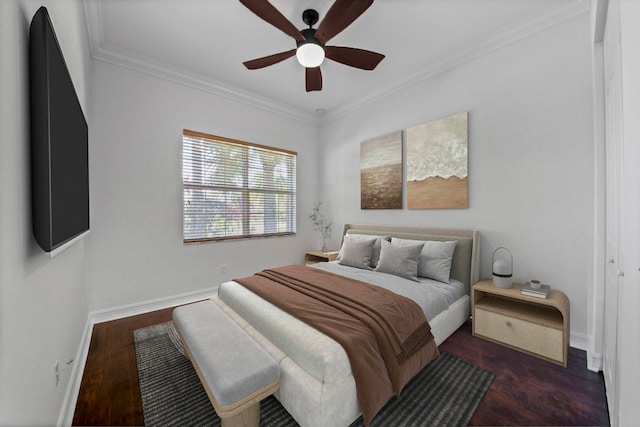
(445, 393)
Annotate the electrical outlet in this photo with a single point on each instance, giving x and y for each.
(58, 371)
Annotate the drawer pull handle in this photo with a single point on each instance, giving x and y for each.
(508, 323)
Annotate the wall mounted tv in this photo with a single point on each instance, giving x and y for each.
(59, 144)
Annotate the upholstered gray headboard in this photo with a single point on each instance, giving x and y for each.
(465, 265)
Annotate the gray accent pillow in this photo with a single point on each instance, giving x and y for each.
(400, 261)
(435, 259)
(375, 256)
(356, 252)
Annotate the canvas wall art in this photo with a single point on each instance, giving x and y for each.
(437, 164)
(381, 172)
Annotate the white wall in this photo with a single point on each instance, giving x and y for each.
(43, 301)
(531, 157)
(136, 188)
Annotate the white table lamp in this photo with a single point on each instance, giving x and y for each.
(502, 270)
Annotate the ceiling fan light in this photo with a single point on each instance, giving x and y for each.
(310, 55)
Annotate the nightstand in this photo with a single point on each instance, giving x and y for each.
(314, 257)
(537, 326)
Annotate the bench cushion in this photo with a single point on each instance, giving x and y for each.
(231, 362)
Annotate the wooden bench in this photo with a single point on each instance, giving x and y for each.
(235, 370)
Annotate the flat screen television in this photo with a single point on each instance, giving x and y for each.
(59, 143)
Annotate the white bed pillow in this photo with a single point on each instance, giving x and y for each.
(400, 261)
(375, 256)
(435, 259)
(357, 252)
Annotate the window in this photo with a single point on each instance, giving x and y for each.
(235, 189)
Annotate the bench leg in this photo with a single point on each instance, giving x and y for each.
(250, 417)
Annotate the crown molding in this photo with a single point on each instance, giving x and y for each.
(495, 40)
(125, 59)
(104, 52)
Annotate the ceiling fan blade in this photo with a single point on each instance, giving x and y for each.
(341, 14)
(269, 13)
(313, 78)
(358, 58)
(265, 61)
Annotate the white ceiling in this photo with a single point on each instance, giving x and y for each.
(202, 43)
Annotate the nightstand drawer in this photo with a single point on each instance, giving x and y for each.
(535, 338)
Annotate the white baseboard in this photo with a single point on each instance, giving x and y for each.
(594, 361)
(115, 313)
(65, 417)
(579, 341)
(582, 342)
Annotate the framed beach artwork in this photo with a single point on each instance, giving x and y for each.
(437, 164)
(381, 172)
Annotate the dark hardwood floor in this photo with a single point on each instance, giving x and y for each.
(110, 392)
(526, 390)
(530, 391)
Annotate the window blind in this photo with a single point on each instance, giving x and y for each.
(235, 189)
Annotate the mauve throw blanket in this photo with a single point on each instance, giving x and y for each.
(386, 336)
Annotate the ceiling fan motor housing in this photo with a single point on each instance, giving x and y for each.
(309, 37)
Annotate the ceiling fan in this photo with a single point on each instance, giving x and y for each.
(311, 49)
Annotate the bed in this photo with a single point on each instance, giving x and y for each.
(317, 384)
